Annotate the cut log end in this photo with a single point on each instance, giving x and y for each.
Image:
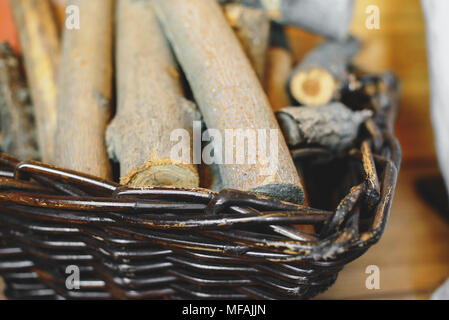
(285, 192)
(162, 173)
(313, 87)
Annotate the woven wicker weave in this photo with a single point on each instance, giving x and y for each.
(179, 243)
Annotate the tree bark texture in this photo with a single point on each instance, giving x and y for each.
(85, 89)
(16, 114)
(150, 103)
(333, 126)
(40, 45)
(228, 93)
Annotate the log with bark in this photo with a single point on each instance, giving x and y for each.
(330, 19)
(16, 114)
(317, 78)
(229, 95)
(150, 103)
(279, 67)
(333, 126)
(85, 88)
(252, 27)
(39, 41)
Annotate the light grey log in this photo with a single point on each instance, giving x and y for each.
(315, 80)
(437, 24)
(328, 18)
(333, 126)
(16, 114)
(150, 103)
(85, 90)
(227, 91)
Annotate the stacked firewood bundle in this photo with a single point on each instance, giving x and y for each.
(112, 87)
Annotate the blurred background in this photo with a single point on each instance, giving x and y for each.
(413, 255)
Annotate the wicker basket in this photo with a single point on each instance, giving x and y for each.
(187, 244)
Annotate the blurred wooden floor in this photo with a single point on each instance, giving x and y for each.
(412, 256)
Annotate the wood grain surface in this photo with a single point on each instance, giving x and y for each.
(228, 94)
(150, 103)
(85, 90)
(40, 45)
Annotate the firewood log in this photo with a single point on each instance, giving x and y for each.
(333, 126)
(16, 114)
(150, 103)
(41, 50)
(229, 95)
(315, 81)
(85, 87)
(279, 67)
(252, 27)
(330, 19)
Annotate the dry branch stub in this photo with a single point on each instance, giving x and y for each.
(85, 88)
(228, 93)
(16, 114)
(333, 126)
(39, 40)
(150, 103)
(316, 79)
